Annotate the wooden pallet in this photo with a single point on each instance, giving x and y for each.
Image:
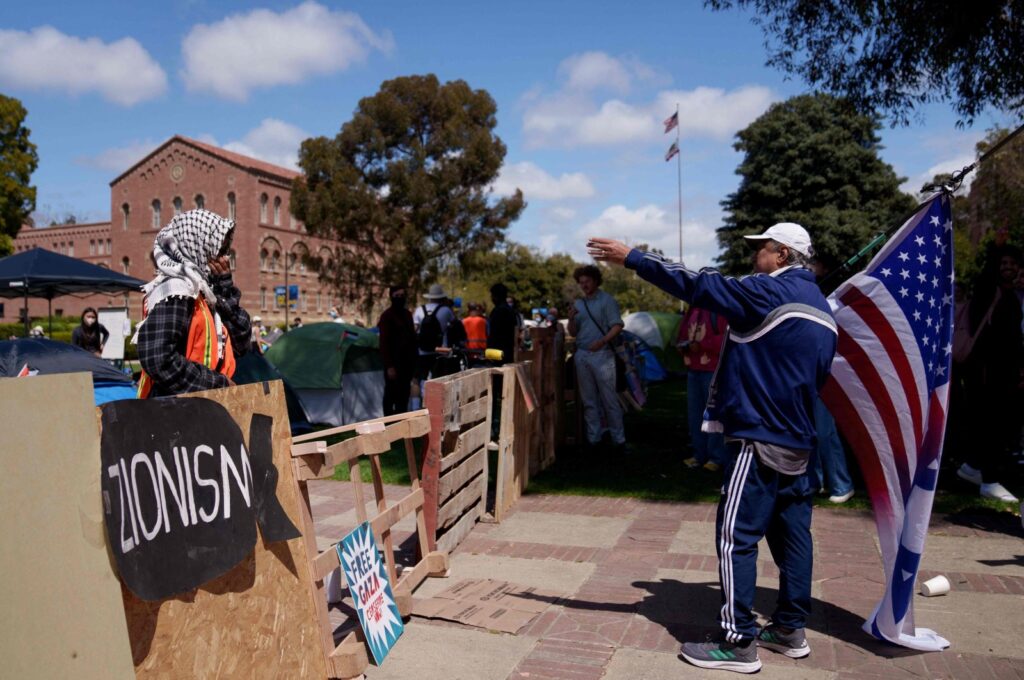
(314, 459)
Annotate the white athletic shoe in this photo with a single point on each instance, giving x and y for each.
(997, 491)
(841, 498)
(969, 474)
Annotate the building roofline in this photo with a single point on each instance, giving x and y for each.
(29, 229)
(238, 160)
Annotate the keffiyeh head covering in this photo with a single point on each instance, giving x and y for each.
(182, 252)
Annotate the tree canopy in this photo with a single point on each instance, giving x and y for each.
(813, 160)
(896, 55)
(404, 186)
(18, 160)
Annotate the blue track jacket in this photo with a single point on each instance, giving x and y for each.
(777, 353)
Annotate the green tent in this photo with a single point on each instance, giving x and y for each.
(659, 330)
(335, 369)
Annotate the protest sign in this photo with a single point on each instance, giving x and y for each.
(371, 591)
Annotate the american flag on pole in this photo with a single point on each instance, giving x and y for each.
(672, 151)
(671, 122)
(889, 393)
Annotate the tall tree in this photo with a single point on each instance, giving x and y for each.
(404, 186)
(895, 55)
(812, 160)
(18, 160)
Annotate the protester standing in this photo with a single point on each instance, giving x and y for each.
(700, 343)
(431, 321)
(503, 324)
(194, 326)
(90, 334)
(595, 322)
(781, 342)
(397, 351)
(476, 328)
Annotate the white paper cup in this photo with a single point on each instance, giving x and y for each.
(939, 585)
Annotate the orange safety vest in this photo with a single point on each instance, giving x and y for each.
(476, 332)
(203, 346)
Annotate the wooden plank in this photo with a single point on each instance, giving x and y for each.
(469, 442)
(320, 434)
(433, 399)
(324, 563)
(382, 506)
(475, 410)
(473, 384)
(456, 478)
(506, 438)
(309, 448)
(394, 513)
(312, 467)
(526, 385)
(349, 659)
(453, 509)
(451, 539)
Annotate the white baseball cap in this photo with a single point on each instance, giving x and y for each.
(789, 234)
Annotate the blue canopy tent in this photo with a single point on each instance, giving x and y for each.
(44, 274)
(48, 357)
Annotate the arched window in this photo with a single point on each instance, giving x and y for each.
(275, 260)
(319, 302)
(263, 297)
(177, 205)
(200, 202)
(291, 261)
(92, 246)
(231, 206)
(71, 249)
(301, 255)
(263, 208)
(157, 222)
(263, 259)
(124, 216)
(231, 258)
(125, 263)
(277, 211)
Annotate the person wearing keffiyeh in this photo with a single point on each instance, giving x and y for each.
(194, 327)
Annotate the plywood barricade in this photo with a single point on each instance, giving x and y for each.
(520, 418)
(314, 459)
(547, 357)
(455, 465)
(258, 619)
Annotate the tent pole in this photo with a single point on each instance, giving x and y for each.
(49, 314)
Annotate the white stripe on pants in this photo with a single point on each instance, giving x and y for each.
(595, 385)
(725, 545)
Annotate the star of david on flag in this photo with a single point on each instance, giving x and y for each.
(889, 393)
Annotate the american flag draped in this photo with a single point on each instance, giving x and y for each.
(889, 393)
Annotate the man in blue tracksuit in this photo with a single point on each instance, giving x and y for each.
(777, 354)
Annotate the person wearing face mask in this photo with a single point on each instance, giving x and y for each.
(397, 351)
(193, 326)
(90, 335)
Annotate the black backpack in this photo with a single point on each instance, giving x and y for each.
(456, 333)
(430, 337)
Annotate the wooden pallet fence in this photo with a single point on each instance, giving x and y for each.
(547, 357)
(455, 464)
(312, 458)
(519, 419)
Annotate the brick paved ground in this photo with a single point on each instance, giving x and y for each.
(639, 578)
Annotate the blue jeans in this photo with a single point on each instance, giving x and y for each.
(705, 446)
(829, 455)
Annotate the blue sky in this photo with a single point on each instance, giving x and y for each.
(581, 89)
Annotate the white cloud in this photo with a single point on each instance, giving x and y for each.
(654, 226)
(572, 116)
(537, 184)
(263, 48)
(561, 213)
(118, 159)
(274, 141)
(952, 165)
(44, 58)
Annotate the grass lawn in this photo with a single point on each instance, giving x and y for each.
(654, 469)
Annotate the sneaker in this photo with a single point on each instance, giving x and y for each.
(789, 641)
(997, 491)
(841, 498)
(492, 446)
(741, 658)
(969, 474)
(691, 463)
(712, 466)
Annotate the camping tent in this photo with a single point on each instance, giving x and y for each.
(335, 369)
(45, 274)
(658, 330)
(253, 367)
(48, 357)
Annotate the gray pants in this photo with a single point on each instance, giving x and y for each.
(595, 385)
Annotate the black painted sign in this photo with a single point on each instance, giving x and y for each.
(182, 493)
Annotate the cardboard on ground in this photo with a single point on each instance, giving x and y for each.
(486, 603)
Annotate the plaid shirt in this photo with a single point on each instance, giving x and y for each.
(163, 339)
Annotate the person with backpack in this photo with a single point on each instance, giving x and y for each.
(431, 320)
(701, 335)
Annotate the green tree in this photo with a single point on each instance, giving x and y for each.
(18, 160)
(895, 55)
(534, 279)
(812, 160)
(403, 187)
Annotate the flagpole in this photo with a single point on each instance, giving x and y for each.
(679, 174)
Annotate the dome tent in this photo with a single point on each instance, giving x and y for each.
(49, 357)
(335, 369)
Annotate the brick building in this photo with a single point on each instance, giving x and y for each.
(182, 174)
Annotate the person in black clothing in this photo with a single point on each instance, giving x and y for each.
(397, 351)
(90, 335)
(502, 324)
(193, 275)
